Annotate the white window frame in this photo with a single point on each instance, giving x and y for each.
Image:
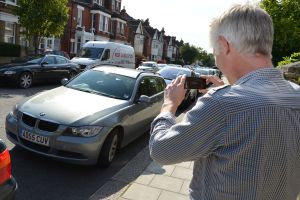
(106, 24)
(122, 31)
(101, 22)
(10, 38)
(118, 27)
(80, 10)
(113, 5)
(72, 47)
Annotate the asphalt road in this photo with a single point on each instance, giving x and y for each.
(41, 178)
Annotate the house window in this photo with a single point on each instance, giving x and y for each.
(101, 23)
(118, 27)
(113, 6)
(78, 45)
(23, 41)
(122, 28)
(72, 49)
(9, 36)
(79, 15)
(49, 44)
(42, 43)
(99, 2)
(118, 6)
(106, 24)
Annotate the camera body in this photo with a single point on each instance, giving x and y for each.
(195, 83)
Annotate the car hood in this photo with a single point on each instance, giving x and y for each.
(84, 61)
(68, 106)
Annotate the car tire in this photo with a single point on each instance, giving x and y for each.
(109, 149)
(72, 74)
(25, 80)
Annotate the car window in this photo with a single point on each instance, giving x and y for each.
(150, 86)
(102, 83)
(90, 52)
(50, 60)
(61, 60)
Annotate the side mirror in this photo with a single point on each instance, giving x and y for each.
(64, 81)
(144, 99)
(44, 63)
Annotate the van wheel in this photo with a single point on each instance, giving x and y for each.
(25, 80)
(109, 149)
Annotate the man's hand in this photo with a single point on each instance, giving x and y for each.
(215, 80)
(173, 95)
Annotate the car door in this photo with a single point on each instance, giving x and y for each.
(62, 69)
(142, 113)
(48, 69)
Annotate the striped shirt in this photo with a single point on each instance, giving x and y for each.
(244, 140)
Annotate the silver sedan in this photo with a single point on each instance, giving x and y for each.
(89, 118)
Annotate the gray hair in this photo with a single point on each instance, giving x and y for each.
(247, 27)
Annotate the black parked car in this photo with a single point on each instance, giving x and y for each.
(8, 185)
(171, 72)
(48, 68)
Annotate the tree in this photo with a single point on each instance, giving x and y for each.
(207, 59)
(189, 53)
(286, 18)
(42, 18)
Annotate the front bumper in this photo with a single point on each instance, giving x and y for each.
(71, 149)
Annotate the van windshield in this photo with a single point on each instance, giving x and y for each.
(90, 52)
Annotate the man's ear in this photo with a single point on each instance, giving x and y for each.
(224, 45)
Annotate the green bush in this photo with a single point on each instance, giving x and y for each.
(9, 50)
(287, 60)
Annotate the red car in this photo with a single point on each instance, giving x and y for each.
(8, 185)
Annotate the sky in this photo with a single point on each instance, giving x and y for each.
(185, 19)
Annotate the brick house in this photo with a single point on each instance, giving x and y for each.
(171, 49)
(93, 20)
(135, 36)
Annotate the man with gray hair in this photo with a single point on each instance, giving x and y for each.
(244, 138)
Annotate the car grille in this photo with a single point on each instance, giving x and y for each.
(41, 124)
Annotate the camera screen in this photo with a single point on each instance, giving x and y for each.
(195, 83)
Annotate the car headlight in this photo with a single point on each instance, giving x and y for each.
(86, 131)
(9, 72)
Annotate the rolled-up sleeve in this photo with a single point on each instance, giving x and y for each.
(197, 135)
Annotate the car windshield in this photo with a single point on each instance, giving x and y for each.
(90, 52)
(172, 73)
(103, 83)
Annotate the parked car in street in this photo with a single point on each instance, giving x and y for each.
(89, 118)
(8, 184)
(48, 68)
(206, 71)
(170, 73)
(148, 66)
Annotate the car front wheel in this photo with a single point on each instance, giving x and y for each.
(109, 149)
(25, 80)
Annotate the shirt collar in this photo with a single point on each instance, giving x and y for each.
(262, 73)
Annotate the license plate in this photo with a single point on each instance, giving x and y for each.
(38, 139)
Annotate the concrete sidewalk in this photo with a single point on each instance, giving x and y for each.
(144, 179)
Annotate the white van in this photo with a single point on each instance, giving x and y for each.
(103, 52)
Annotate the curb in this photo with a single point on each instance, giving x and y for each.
(119, 183)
